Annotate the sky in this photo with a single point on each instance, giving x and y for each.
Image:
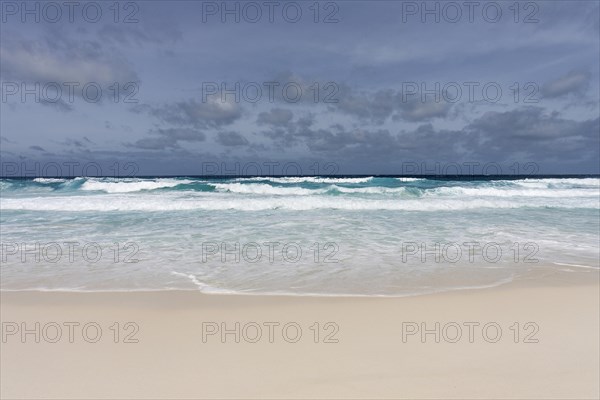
(304, 87)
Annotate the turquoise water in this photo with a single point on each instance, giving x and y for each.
(296, 235)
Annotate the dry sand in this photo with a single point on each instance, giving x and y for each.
(369, 360)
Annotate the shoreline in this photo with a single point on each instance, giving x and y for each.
(546, 276)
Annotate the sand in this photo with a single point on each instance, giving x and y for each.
(365, 351)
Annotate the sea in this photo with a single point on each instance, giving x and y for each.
(298, 235)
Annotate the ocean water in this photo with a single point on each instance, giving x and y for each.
(364, 236)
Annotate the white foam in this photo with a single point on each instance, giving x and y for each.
(191, 277)
(49, 180)
(204, 288)
(561, 182)
(127, 186)
(410, 179)
(224, 201)
(263, 188)
(266, 189)
(368, 190)
(511, 192)
(577, 265)
(308, 179)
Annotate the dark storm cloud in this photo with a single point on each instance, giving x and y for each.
(190, 135)
(538, 134)
(335, 139)
(573, 82)
(377, 107)
(155, 143)
(275, 117)
(74, 143)
(37, 148)
(379, 142)
(168, 138)
(230, 139)
(139, 34)
(529, 124)
(291, 132)
(5, 139)
(415, 110)
(525, 132)
(60, 58)
(57, 66)
(209, 114)
(59, 104)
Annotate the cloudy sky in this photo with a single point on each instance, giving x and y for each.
(348, 87)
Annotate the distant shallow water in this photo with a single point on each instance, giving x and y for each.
(293, 235)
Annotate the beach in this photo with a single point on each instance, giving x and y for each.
(362, 347)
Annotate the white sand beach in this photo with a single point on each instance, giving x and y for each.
(362, 353)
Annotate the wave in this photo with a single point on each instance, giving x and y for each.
(307, 179)
(266, 189)
(410, 179)
(133, 185)
(576, 265)
(368, 190)
(509, 192)
(565, 183)
(222, 201)
(50, 180)
(309, 186)
(261, 188)
(5, 184)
